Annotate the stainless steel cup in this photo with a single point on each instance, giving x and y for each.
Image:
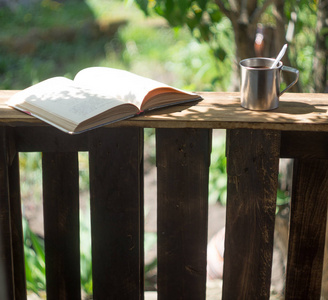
(260, 85)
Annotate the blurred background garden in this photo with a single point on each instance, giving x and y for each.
(179, 42)
(192, 45)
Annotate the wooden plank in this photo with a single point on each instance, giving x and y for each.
(295, 144)
(252, 168)
(115, 159)
(182, 212)
(48, 139)
(297, 111)
(16, 229)
(307, 229)
(61, 224)
(15, 263)
(141, 218)
(7, 289)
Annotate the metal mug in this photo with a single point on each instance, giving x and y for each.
(260, 85)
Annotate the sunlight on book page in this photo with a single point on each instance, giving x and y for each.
(123, 85)
(62, 98)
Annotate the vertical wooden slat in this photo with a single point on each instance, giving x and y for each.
(183, 158)
(307, 229)
(252, 167)
(116, 205)
(141, 218)
(6, 255)
(61, 224)
(17, 230)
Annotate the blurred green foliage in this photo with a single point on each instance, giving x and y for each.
(85, 252)
(302, 50)
(218, 171)
(30, 175)
(51, 39)
(40, 42)
(47, 39)
(208, 24)
(34, 260)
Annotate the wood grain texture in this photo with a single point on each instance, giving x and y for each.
(48, 139)
(7, 289)
(307, 229)
(252, 168)
(297, 111)
(305, 145)
(16, 229)
(182, 208)
(115, 159)
(61, 224)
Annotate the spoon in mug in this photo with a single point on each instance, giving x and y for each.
(279, 57)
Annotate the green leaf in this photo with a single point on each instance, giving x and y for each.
(183, 5)
(169, 7)
(215, 15)
(220, 53)
(143, 4)
(38, 246)
(324, 31)
(205, 32)
(152, 265)
(202, 4)
(192, 23)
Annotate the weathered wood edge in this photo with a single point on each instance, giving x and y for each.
(252, 169)
(307, 229)
(218, 110)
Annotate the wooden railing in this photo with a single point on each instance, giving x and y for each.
(255, 141)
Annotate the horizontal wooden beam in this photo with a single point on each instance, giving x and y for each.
(295, 144)
(48, 139)
(296, 112)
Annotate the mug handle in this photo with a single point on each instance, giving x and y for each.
(290, 70)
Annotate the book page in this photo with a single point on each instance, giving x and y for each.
(123, 85)
(62, 97)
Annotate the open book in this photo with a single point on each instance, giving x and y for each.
(97, 96)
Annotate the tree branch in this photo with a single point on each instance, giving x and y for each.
(243, 17)
(234, 5)
(227, 12)
(255, 17)
(280, 40)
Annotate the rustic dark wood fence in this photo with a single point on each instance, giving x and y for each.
(255, 142)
